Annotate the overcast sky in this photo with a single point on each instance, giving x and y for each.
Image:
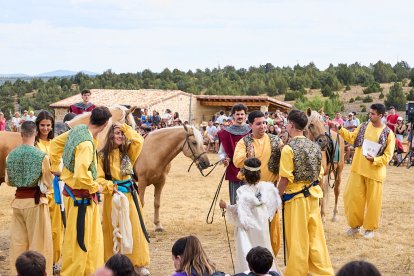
(131, 35)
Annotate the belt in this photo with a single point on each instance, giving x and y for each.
(81, 204)
(305, 191)
(32, 192)
(124, 186)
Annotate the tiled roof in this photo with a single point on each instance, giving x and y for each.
(107, 97)
(243, 98)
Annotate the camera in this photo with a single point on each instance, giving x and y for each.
(409, 112)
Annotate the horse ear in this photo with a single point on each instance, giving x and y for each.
(320, 111)
(308, 111)
(185, 127)
(131, 110)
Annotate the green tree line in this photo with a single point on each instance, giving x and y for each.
(264, 79)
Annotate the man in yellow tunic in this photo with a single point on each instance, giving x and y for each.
(300, 173)
(266, 148)
(122, 148)
(363, 192)
(28, 169)
(82, 251)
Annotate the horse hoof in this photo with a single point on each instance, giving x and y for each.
(159, 229)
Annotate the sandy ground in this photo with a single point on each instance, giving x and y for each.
(186, 199)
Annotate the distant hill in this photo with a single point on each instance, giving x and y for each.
(64, 73)
(17, 75)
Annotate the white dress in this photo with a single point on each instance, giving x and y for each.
(254, 209)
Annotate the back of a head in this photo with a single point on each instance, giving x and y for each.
(260, 260)
(69, 117)
(28, 129)
(358, 268)
(120, 265)
(31, 263)
(253, 115)
(100, 116)
(251, 170)
(194, 257)
(298, 118)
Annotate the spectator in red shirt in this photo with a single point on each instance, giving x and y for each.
(392, 118)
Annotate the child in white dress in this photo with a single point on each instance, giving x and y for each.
(256, 204)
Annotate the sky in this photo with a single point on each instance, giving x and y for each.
(38, 36)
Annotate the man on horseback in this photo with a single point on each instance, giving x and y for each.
(82, 251)
(84, 106)
(301, 171)
(265, 147)
(364, 188)
(229, 137)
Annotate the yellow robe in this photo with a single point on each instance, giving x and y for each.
(140, 256)
(363, 192)
(305, 240)
(74, 260)
(262, 151)
(54, 210)
(30, 226)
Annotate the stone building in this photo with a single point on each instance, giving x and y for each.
(191, 108)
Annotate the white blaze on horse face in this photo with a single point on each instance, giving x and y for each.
(198, 137)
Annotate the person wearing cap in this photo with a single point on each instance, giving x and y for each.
(300, 173)
(266, 147)
(363, 192)
(228, 137)
(392, 118)
(24, 117)
(85, 105)
(400, 129)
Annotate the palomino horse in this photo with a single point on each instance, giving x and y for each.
(154, 162)
(329, 143)
(11, 140)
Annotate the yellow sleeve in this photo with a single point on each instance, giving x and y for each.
(349, 136)
(137, 141)
(83, 158)
(57, 146)
(286, 164)
(388, 153)
(47, 176)
(107, 185)
(239, 154)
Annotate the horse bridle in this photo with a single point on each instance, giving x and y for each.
(195, 156)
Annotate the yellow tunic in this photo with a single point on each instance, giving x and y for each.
(54, 210)
(262, 151)
(140, 256)
(363, 192)
(306, 249)
(74, 260)
(30, 226)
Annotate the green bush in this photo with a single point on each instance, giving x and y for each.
(351, 100)
(381, 96)
(410, 95)
(372, 88)
(347, 88)
(367, 99)
(293, 95)
(358, 98)
(326, 91)
(363, 108)
(396, 97)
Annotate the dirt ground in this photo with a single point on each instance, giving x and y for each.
(187, 197)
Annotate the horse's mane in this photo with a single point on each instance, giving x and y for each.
(196, 132)
(314, 117)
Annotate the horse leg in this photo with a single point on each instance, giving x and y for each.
(157, 204)
(141, 191)
(336, 191)
(324, 201)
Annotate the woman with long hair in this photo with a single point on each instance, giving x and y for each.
(190, 259)
(45, 124)
(115, 173)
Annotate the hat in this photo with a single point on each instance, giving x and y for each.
(216, 122)
(399, 119)
(350, 113)
(391, 107)
(204, 124)
(25, 111)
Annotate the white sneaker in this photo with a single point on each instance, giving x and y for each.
(369, 234)
(352, 231)
(142, 271)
